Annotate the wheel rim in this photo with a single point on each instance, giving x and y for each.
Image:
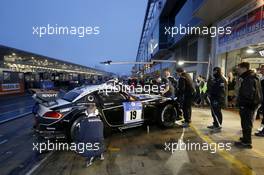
(74, 129)
(169, 115)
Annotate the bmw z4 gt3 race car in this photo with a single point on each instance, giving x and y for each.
(56, 119)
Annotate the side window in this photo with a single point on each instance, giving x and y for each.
(112, 97)
(87, 99)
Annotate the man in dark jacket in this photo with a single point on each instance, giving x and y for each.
(89, 132)
(249, 98)
(260, 132)
(169, 83)
(217, 86)
(186, 92)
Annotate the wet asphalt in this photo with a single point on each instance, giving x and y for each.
(133, 151)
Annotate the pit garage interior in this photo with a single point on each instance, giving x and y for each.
(21, 71)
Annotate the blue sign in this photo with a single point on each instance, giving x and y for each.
(131, 106)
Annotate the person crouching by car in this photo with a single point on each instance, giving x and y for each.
(249, 98)
(185, 93)
(90, 132)
(217, 87)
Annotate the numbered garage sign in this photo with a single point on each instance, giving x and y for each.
(132, 112)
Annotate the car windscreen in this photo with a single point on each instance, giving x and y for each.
(70, 96)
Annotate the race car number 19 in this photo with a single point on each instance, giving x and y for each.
(132, 112)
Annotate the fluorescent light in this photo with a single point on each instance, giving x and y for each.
(261, 53)
(180, 63)
(250, 51)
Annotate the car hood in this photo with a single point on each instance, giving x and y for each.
(147, 96)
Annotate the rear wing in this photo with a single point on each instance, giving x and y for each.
(46, 98)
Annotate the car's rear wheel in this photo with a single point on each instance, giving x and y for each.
(168, 116)
(75, 129)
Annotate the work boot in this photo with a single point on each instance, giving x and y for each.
(243, 145)
(186, 125)
(211, 127)
(102, 157)
(217, 128)
(261, 128)
(89, 162)
(260, 133)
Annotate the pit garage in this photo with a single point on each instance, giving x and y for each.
(21, 71)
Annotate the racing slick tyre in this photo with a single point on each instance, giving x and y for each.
(74, 128)
(168, 116)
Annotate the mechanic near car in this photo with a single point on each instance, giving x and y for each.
(249, 98)
(217, 89)
(185, 93)
(170, 85)
(90, 133)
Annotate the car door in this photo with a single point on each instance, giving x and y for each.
(112, 107)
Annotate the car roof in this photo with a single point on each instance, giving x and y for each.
(88, 89)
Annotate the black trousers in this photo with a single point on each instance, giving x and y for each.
(262, 109)
(216, 113)
(187, 110)
(247, 117)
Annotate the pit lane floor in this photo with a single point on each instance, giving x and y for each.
(15, 106)
(16, 138)
(136, 151)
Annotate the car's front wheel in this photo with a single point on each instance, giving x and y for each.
(168, 116)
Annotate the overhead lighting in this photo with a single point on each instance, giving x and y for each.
(180, 63)
(250, 51)
(13, 54)
(261, 53)
(106, 62)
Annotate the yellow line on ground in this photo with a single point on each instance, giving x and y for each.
(254, 150)
(258, 152)
(233, 138)
(113, 149)
(243, 168)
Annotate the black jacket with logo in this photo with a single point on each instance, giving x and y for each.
(250, 92)
(217, 87)
(186, 88)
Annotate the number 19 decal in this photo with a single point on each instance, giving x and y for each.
(133, 115)
(132, 112)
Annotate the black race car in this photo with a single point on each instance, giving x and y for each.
(57, 118)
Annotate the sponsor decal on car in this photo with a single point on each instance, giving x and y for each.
(132, 112)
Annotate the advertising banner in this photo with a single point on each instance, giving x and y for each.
(254, 20)
(262, 25)
(247, 28)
